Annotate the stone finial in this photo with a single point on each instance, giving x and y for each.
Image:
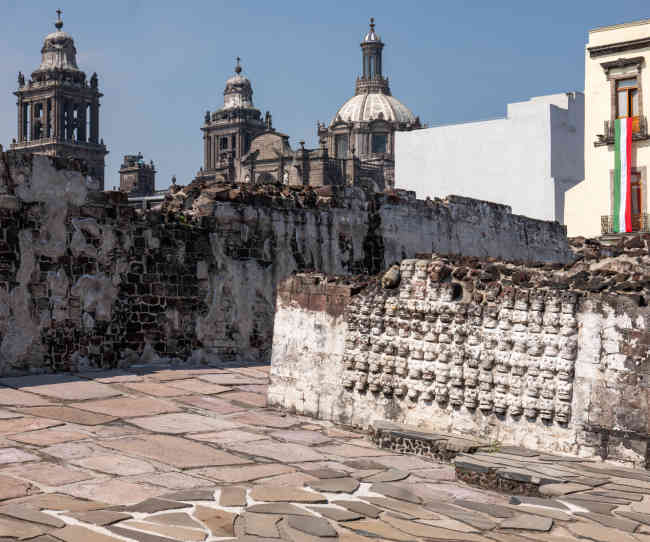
(59, 22)
(238, 66)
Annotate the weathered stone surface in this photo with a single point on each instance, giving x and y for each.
(428, 531)
(138, 536)
(246, 398)
(180, 423)
(47, 437)
(31, 514)
(10, 488)
(265, 420)
(336, 514)
(527, 522)
(15, 455)
(292, 479)
(12, 397)
(235, 475)
(156, 389)
(263, 525)
(278, 508)
(347, 450)
(232, 496)
(226, 437)
(402, 507)
(610, 521)
(173, 451)
(196, 385)
(359, 507)
(554, 490)
(595, 531)
(128, 407)
(100, 517)
(172, 480)
(220, 523)
(396, 492)
(335, 485)
(285, 494)
(113, 491)
(115, 464)
(19, 425)
(312, 525)
(69, 414)
(152, 505)
(167, 531)
(61, 386)
(22, 530)
(48, 474)
(180, 519)
(190, 495)
(392, 475)
(493, 510)
(279, 451)
(378, 529)
(536, 501)
(300, 436)
(57, 501)
(213, 404)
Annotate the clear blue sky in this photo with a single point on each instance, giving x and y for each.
(162, 63)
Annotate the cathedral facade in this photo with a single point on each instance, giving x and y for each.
(58, 108)
(356, 148)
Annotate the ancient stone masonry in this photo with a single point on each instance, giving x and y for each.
(493, 350)
(88, 281)
(507, 353)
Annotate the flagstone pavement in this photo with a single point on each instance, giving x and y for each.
(192, 454)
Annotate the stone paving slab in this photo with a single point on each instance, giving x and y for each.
(61, 386)
(174, 451)
(68, 414)
(129, 407)
(48, 437)
(13, 397)
(23, 424)
(187, 454)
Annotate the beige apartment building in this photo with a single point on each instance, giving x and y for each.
(616, 73)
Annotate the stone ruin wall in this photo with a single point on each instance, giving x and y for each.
(554, 358)
(88, 281)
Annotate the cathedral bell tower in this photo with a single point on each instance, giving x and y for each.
(371, 79)
(58, 109)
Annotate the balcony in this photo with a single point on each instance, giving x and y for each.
(639, 132)
(640, 223)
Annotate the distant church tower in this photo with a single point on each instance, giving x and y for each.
(58, 110)
(228, 132)
(136, 177)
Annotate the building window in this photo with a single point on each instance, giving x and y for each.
(627, 97)
(379, 143)
(223, 143)
(341, 141)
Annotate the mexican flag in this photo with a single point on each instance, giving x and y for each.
(622, 191)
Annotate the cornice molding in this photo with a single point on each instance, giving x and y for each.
(620, 47)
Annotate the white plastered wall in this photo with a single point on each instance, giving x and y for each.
(526, 160)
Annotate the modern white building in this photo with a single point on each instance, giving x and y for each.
(527, 160)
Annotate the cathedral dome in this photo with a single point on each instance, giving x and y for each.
(374, 106)
(58, 52)
(238, 92)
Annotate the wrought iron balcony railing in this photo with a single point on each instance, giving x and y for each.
(640, 223)
(639, 132)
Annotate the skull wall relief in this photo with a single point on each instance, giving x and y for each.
(511, 353)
